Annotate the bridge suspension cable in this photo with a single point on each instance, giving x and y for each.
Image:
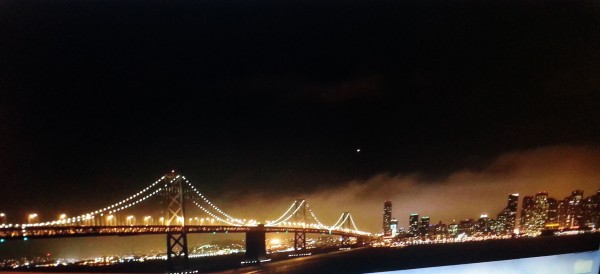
(118, 206)
(215, 216)
(282, 216)
(343, 219)
(290, 216)
(352, 221)
(314, 216)
(338, 222)
(232, 220)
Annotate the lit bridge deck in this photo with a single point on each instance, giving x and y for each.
(40, 232)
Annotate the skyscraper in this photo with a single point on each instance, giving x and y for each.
(570, 210)
(540, 212)
(513, 202)
(506, 219)
(527, 214)
(466, 226)
(484, 224)
(552, 221)
(424, 228)
(511, 217)
(413, 224)
(387, 218)
(394, 227)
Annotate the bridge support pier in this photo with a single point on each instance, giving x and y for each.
(299, 241)
(360, 241)
(177, 251)
(256, 249)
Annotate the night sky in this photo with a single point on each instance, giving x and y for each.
(259, 99)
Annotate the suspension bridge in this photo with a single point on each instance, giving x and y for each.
(174, 192)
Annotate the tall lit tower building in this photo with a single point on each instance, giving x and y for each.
(413, 224)
(424, 229)
(570, 210)
(527, 212)
(506, 221)
(540, 212)
(394, 227)
(552, 221)
(513, 203)
(387, 218)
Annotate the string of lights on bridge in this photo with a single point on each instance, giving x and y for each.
(210, 208)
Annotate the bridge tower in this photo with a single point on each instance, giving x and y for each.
(177, 249)
(300, 217)
(345, 241)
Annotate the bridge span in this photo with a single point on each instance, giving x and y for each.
(42, 232)
(175, 191)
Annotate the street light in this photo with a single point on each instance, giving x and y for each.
(131, 220)
(32, 217)
(2, 218)
(147, 220)
(161, 220)
(109, 219)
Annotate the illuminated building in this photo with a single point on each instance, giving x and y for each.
(527, 214)
(506, 220)
(466, 226)
(552, 220)
(540, 212)
(413, 224)
(452, 229)
(484, 224)
(513, 203)
(394, 227)
(591, 211)
(424, 228)
(501, 223)
(387, 218)
(440, 229)
(570, 211)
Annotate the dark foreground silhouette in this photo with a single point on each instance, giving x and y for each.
(363, 260)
